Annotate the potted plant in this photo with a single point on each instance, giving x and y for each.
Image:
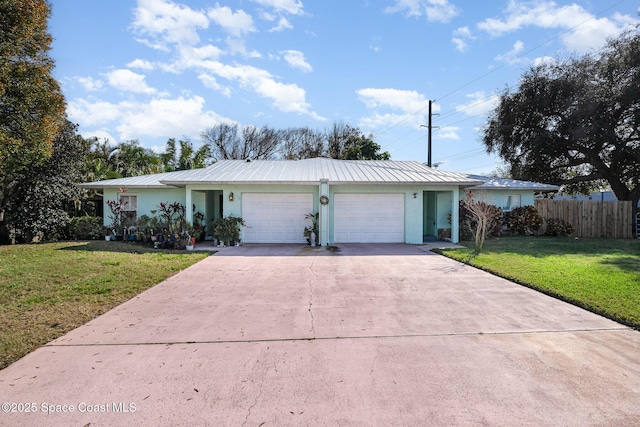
(154, 228)
(311, 231)
(198, 226)
(227, 230)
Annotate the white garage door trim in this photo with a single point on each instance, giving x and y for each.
(368, 218)
(275, 217)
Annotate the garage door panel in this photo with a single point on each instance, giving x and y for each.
(275, 217)
(369, 218)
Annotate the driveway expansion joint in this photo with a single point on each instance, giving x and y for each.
(351, 337)
(313, 327)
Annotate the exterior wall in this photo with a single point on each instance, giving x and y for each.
(235, 207)
(412, 208)
(205, 199)
(148, 199)
(494, 197)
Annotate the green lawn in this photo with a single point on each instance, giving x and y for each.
(602, 276)
(49, 289)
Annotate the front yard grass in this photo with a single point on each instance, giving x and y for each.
(599, 275)
(49, 289)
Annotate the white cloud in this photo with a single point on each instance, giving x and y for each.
(190, 56)
(92, 112)
(441, 11)
(435, 10)
(460, 44)
(169, 22)
(585, 31)
(543, 60)
(237, 23)
(285, 97)
(283, 24)
(448, 132)
(166, 117)
(296, 59)
(293, 7)
(128, 81)
(211, 83)
(158, 118)
(403, 103)
(89, 83)
(511, 57)
(479, 104)
(101, 134)
(460, 39)
(141, 64)
(175, 28)
(405, 100)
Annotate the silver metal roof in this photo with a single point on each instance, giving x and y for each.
(144, 181)
(311, 171)
(510, 184)
(307, 171)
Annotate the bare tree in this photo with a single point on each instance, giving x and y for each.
(226, 142)
(223, 140)
(302, 143)
(338, 137)
(480, 218)
(259, 143)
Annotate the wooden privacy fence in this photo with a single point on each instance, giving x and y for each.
(610, 220)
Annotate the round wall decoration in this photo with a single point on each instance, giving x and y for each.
(324, 200)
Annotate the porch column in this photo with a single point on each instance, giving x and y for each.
(455, 216)
(189, 205)
(323, 213)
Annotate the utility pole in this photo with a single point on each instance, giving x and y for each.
(429, 129)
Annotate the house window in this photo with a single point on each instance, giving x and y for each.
(129, 208)
(510, 202)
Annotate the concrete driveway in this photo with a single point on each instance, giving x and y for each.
(371, 335)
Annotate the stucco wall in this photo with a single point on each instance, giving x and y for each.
(201, 196)
(494, 197)
(412, 208)
(148, 199)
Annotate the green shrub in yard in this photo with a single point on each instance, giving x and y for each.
(86, 228)
(523, 221)
(558, 227)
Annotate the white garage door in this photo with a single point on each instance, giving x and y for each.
(368, 218)
(275, 217)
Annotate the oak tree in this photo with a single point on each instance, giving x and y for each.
(575, 122)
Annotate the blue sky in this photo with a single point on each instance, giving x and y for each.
(155, 69)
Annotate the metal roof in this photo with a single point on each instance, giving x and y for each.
(510, 184)
(144, 181)
(307, 171)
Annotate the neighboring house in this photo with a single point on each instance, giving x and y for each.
(363, 201)
(509, 194)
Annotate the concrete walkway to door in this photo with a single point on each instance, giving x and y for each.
(281, 335)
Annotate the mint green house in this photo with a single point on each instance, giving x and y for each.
(358, 201)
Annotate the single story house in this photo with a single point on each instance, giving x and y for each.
(363, 201)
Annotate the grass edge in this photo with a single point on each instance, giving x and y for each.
(622, 320)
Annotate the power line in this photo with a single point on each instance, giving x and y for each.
(557, 36)
(500, 67)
